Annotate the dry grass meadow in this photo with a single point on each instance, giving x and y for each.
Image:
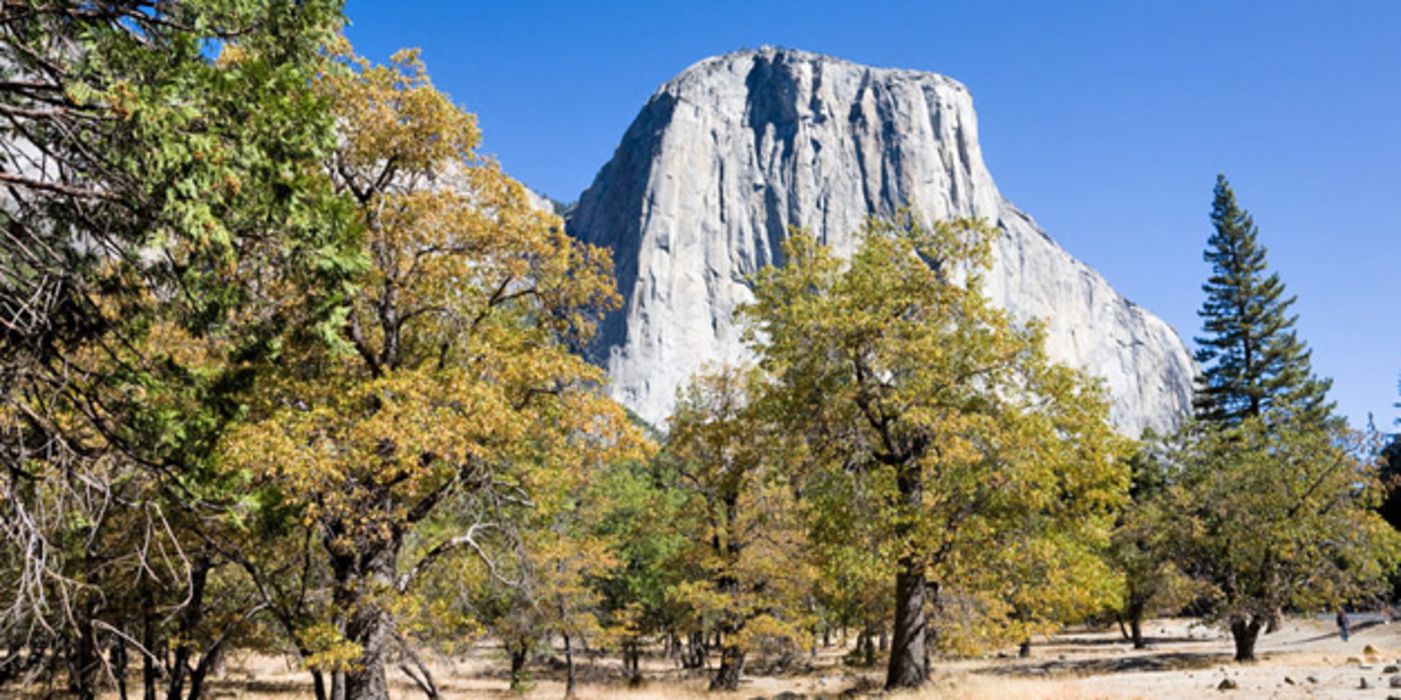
(1305, 659)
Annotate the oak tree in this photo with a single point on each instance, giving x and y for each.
(893, 363)
(450, 386)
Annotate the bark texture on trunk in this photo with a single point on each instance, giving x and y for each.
(907, 667)
(358, 578)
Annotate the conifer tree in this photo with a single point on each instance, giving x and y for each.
(1252, 356)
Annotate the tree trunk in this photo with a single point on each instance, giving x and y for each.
(695, 655)
(318, 684)
(631, 664)
(908, 668)
(148, 640)
(568, 668)
(190, 619)
(519, 655)
(1136, 630)
(201, 671)
(118, 658)
(359, 579)
(418, 672)
(1024, 651)
(731, 666)
(1245, 630)
(1276, 619)
(83, 657)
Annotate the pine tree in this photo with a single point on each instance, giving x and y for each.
(1253, 359)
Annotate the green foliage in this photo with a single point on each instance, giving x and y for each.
(1279, 513)
(647, 524)
(984, 460)
(286, 365)
(750, 546)
(455, 421)
(1254, 362)
(1144, 544)
(178, 229)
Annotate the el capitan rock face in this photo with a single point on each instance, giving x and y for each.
(733, 151)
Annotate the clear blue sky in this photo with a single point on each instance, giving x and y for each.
(1107, 121)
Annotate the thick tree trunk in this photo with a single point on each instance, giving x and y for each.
(1136, 631)
(1276, 619)
(1245, 630)
(731, 667)
(1024, 651)
(358, 579)
(907, 668)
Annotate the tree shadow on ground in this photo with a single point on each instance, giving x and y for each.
(1114, 641)
(1353, 629)
(1165, 661)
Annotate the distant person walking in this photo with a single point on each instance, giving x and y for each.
(1342, 623)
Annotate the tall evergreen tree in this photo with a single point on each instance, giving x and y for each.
(1390, 507)
(1253, 359)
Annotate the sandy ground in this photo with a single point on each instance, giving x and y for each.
(1306, 659)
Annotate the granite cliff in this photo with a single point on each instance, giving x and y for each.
(729, 154)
